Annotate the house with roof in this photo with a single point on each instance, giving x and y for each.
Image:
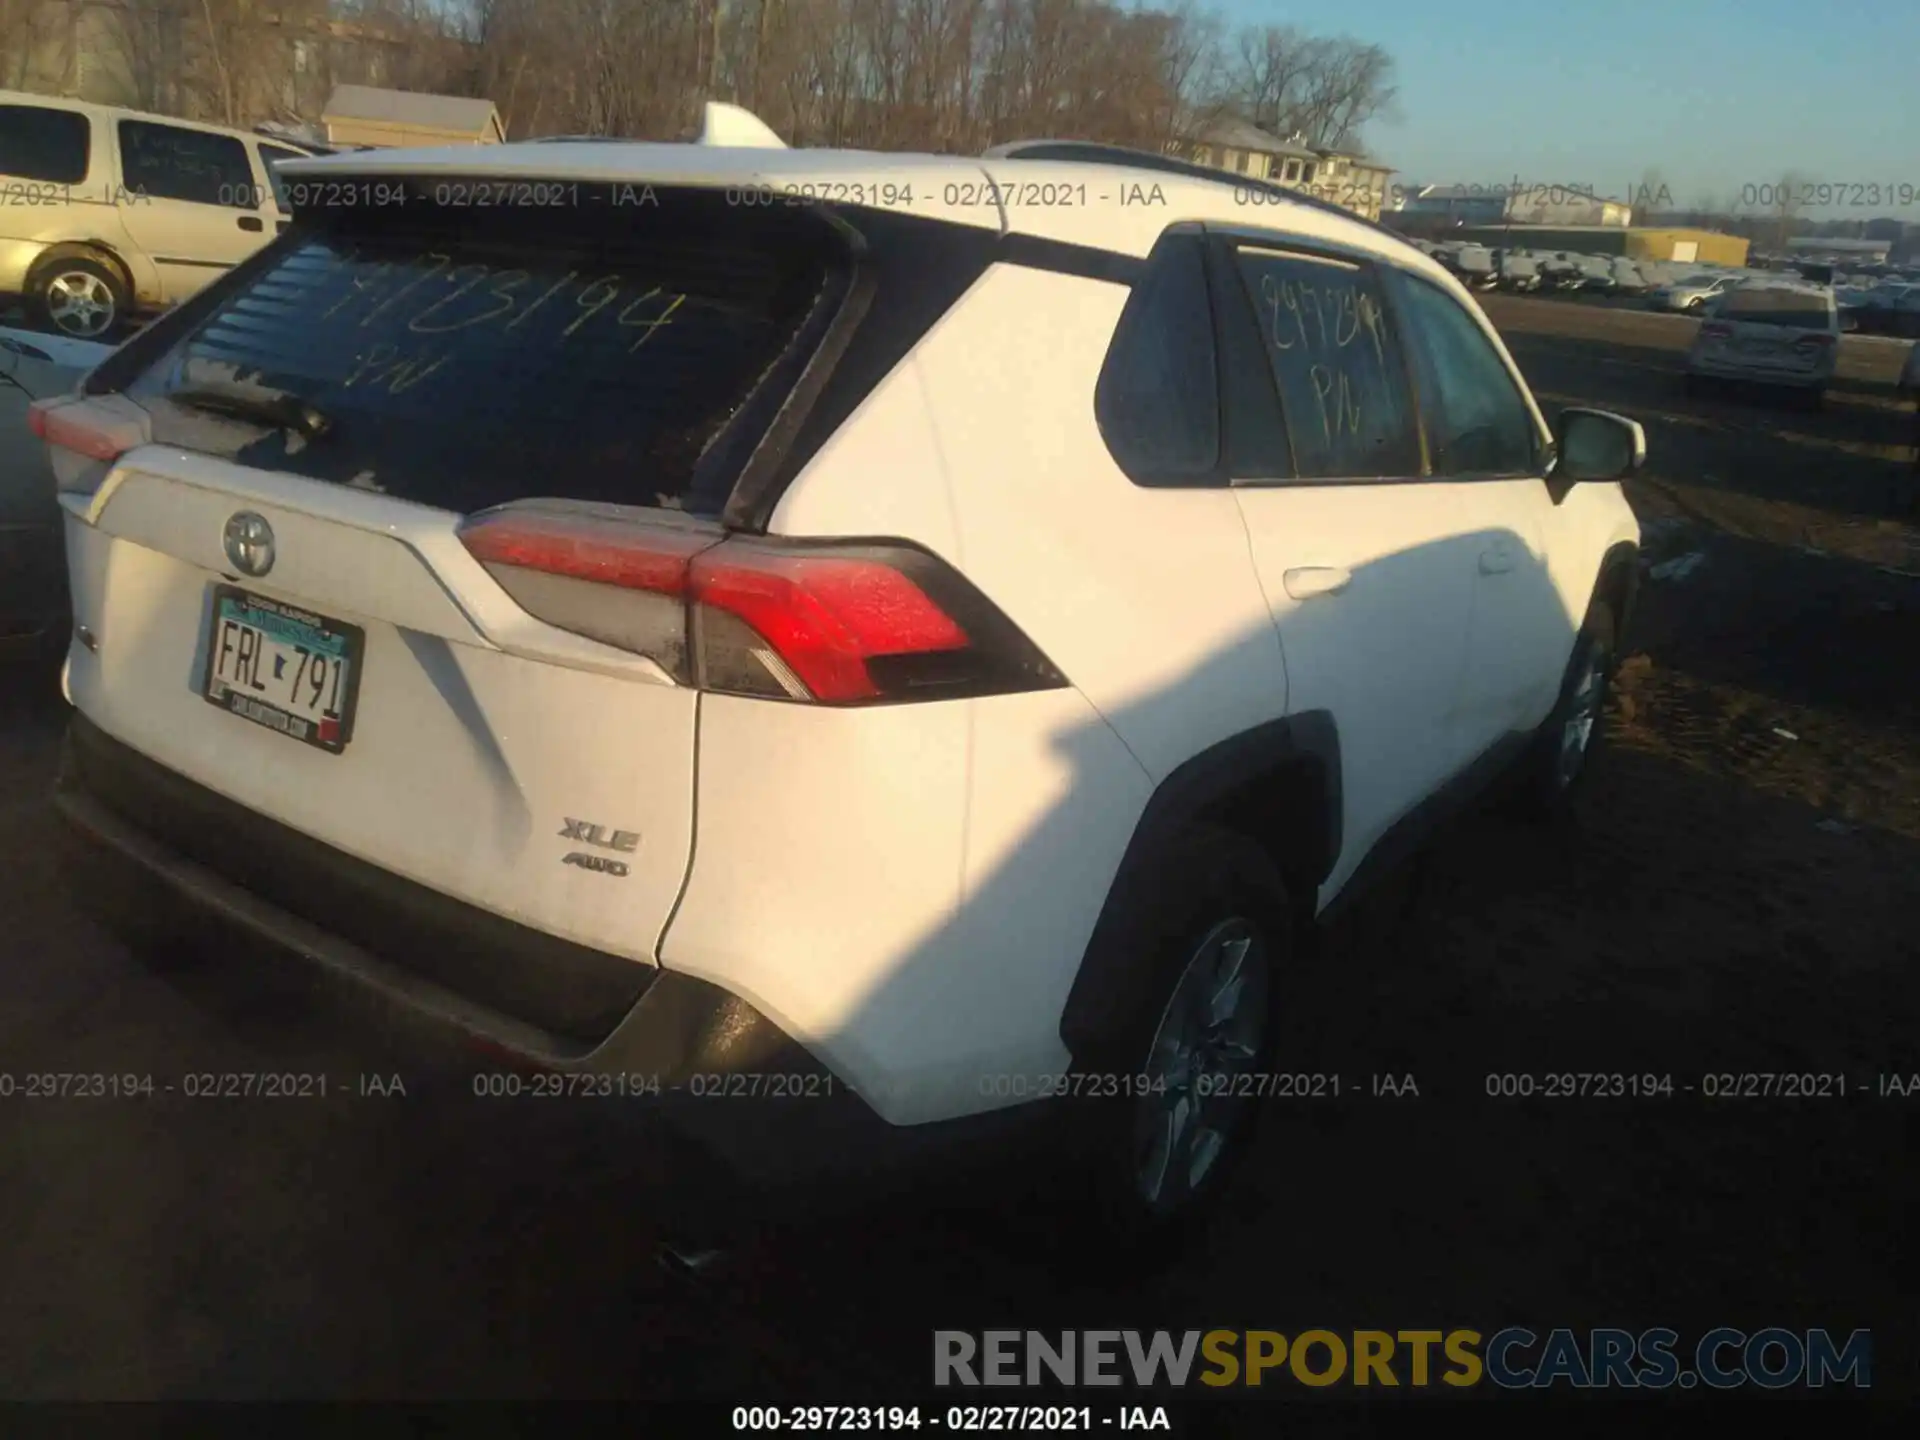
(1243, 148)
(369, 117)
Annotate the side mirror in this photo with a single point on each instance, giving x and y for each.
(1597, 445)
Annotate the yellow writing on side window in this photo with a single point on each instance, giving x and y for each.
(479, 294)
(1336, 385)
(381, 366)
(1321, 318)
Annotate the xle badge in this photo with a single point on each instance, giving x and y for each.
(624, 842)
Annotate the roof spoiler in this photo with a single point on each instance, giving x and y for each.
(731, 126)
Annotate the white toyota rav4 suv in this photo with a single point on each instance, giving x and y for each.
(913, 639)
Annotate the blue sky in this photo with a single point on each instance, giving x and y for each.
(1718, 95)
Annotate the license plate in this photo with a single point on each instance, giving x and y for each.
(283, 667)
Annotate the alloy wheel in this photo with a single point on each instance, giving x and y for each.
(80, 304)
(1210, 1034)
(1583, 713)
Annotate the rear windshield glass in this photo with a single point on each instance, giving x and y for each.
(583, 343)
(1797, 309)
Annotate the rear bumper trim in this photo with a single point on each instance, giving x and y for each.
(728, 1078)
(203, 842)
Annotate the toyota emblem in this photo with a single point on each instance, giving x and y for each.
(249, 541)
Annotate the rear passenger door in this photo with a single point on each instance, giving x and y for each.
(1482, 437)
(193, 203)
(1367, 575)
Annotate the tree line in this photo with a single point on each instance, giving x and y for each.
(942, 75)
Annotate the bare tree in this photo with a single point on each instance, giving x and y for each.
(954, 75)
(1265, 78)
(1320, 89)
(29, 31)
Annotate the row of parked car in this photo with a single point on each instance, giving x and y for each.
(1523, 271)
(1889, 305)
(1886, 303)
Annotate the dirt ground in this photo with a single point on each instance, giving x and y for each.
(1741, 896)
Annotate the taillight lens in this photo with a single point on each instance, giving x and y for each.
(84, 428)
(841, 623)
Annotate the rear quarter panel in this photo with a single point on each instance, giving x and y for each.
(909, 890)
(983, 446)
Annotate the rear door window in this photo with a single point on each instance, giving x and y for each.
(1336, 363)
(1794, 309)
(169, 162)
(465, 357)
(1158, 398)
(40, 143)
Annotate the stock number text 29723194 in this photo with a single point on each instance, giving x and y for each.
(422, 300)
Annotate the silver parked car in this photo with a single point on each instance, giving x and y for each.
(1781, 333)
(1690, 296)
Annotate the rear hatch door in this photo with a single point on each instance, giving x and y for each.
(284, 609)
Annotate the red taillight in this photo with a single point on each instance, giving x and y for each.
(73, 425)
(826, 617)
(831, 623)
(580, 547)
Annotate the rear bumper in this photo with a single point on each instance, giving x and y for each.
(1757, 375)
(159, 855)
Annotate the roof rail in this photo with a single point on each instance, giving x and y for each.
(1089, 152)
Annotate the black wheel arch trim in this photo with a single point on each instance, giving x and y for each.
(1619, 566)
(1299, 752)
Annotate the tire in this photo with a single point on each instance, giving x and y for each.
(1213, 902)
(1561, 756)
(77, 294)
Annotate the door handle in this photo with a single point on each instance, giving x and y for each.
(1497, 561)
(1310, 580)
(251, 222)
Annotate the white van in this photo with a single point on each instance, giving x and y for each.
(106, 212)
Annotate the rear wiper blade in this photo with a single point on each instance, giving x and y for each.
(267, 407)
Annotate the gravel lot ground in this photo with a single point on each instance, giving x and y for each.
(1743, 896)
